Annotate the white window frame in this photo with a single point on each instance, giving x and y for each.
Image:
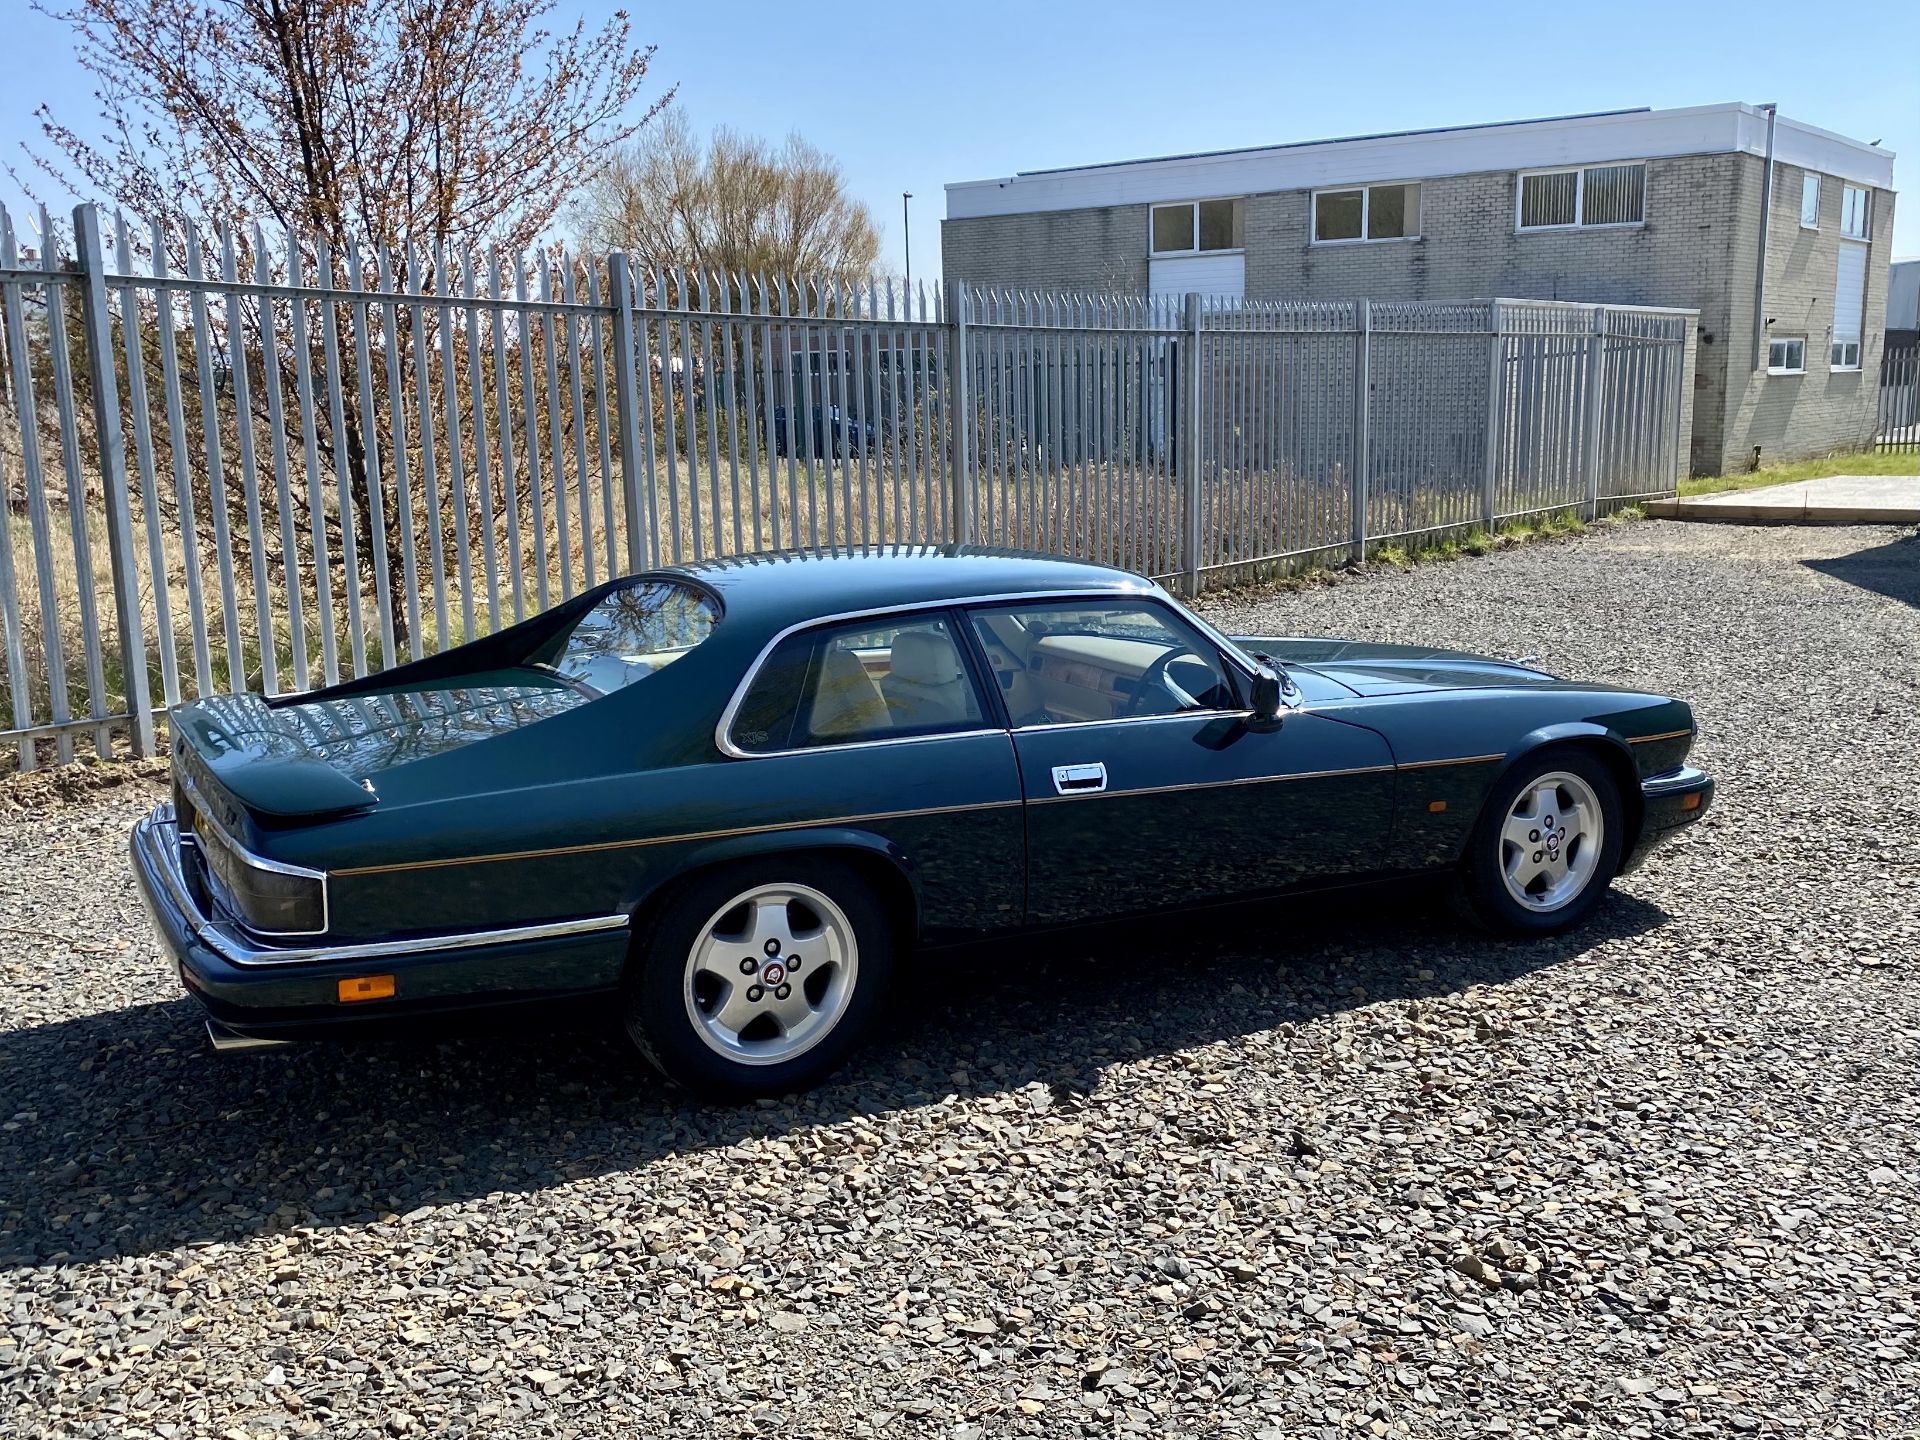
(1810, 189)
(1834, 352)
(1865, 232)
(1579, 198)
(1194, 205)
(1366, 213)
(1785, 369)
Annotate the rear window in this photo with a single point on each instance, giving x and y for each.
(643, 626)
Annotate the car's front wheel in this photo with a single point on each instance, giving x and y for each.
(759, 979)
(1547, 844)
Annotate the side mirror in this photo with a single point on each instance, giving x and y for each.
(1266, 700)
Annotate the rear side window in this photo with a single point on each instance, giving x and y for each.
(633, 631)
(850, 684)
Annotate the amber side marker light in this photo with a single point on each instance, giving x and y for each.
(1689, 802)
(367, 987)
(1436, 807)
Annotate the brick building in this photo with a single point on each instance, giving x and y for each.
(1645, 207)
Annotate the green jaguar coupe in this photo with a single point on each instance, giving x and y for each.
(732, 798)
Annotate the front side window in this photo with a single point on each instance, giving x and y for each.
(1787, 355)
(859, 682)
(1593, 196)
(1366, 212)
(633, 630)
(1072, 662)
(1810, 202)
(1854, 219)
(1196, 227)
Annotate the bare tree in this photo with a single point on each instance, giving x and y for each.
(426, 120)
(395, 122)
(735, 203)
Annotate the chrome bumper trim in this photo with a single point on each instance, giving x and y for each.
(1673, 782)
(232, 1042)
(156, 849)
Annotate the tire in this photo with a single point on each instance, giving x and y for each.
(1525, 876)
(697, 1003)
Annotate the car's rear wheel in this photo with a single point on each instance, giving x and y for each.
(759, 979)
(1547, 844)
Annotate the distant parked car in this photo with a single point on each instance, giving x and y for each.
(722, 800)
(834, 433)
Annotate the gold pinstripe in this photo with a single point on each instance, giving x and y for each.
(1208, 784)
(1664, 735)
(669, 839)
(1456, 760)
(726, 834)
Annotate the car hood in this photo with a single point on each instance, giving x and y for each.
(1366, 668)
(316, 757)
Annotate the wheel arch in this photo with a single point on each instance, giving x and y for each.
(879, 862)
(1592, 739)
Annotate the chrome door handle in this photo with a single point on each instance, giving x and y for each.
(1088, 779)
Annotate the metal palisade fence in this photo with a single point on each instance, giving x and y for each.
(234, 461)
(1897, 425)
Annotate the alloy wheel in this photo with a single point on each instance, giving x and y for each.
(771, 973)
(1551, 842)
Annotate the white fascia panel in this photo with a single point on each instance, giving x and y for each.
(1534, 145)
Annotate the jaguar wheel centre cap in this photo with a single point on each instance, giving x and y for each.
(773, 973)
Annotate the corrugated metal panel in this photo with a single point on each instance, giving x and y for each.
(1223, 275)
(1849, 291)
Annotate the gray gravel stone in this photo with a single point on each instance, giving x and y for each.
(1218, 1180)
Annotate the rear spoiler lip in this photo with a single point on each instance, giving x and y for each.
(263, 771)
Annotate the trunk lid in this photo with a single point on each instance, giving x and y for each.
(300, 759)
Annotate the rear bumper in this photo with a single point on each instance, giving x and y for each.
(254, 991)
(1669, 802)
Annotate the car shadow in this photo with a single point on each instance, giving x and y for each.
(121, 1134)
(1892, 569)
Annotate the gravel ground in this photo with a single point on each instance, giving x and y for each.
(1316, 1175)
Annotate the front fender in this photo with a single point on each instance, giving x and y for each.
(1613, 750)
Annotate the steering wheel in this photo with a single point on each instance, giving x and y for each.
(1158, 673)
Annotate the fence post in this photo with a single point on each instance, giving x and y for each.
(1187, 415)
(1496, 374)
(96, 320)
(636, 493)
(960, 398)
(1595, 403)
(1362, 417)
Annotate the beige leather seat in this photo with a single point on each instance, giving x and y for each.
(926, 685)
(846, 700)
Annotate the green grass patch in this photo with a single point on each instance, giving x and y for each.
(1477, 541)
(1860, 462)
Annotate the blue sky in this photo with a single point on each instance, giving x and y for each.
(911, 96)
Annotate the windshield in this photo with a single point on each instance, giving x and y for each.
(633, 631)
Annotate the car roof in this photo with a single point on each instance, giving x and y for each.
(786, 588)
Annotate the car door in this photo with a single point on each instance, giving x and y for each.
(878, 726)
(1143, 794)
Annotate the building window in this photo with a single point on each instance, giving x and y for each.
(1366, 212)
(1196, 227)
(1787, 356)
(1853, 212)
(1810, 202)
(1849, 303)
(1594, 196)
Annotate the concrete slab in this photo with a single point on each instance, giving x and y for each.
(1833, 500)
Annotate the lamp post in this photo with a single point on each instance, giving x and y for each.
(906, 234)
